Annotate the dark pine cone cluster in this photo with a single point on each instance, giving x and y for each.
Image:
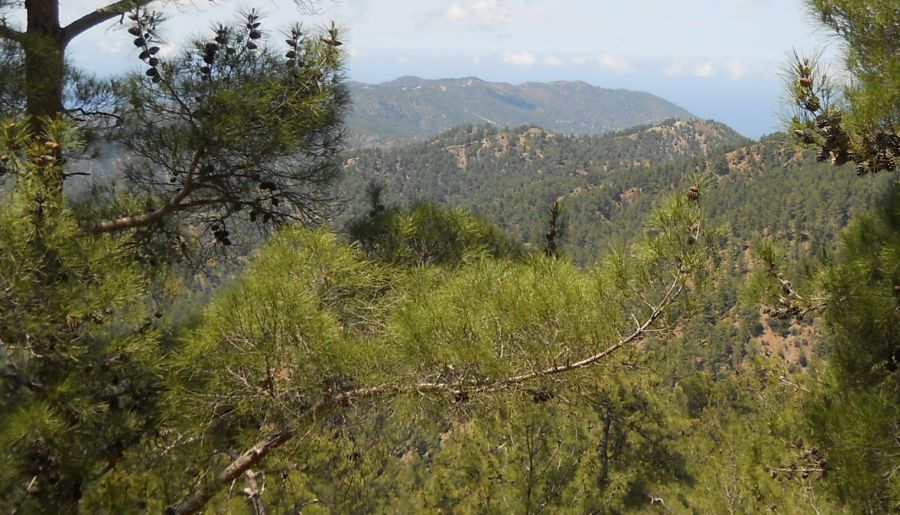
(809, 463)
(253, 30)
(143, 29)
(878, 151)
(883, 150)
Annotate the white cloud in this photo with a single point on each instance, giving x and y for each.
(489, 12)
(615, 64)
(705, 69)
(733, 68)
(738, 68)
(476, 60)
(485, 13)
(403, 60)
(455, 13)
(167, 50)
(676, 67)
(552, 60)
(519, 58)
(122, 46)
(580, 60)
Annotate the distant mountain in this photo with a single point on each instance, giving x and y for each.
(413, 109)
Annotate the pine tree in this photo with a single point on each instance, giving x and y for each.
(556, 231)
(237, 129)
(78, 344)
(853, 416)
(427, 234)
(233, 131)
(857, 122)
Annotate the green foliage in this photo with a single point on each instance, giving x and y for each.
(733, 448)
(291, 329)
(189, 124)
(235, 131)
(428, 234)
(313, 318)
(493, 319)
(696, 390)
(870, 30)
(863, 298)
(556, 226)
(855, 416)
(851, 415)
(598, 450)
(79, 346)
(430, 365)
(11, 94)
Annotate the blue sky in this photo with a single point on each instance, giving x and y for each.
(717, 58)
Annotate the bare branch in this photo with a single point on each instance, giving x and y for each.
(176, 203)
(7, 32)
(253, 491)
(85, 113)
(99, 16)
(242, 464)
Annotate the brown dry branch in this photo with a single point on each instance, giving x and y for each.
(176, 203)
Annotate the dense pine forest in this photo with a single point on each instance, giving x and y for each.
(607, 184)
(214, 299)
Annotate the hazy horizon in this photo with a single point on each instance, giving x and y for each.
(718, 59)
(747, 120)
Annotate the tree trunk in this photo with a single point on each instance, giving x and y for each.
(44, 60)
(603, 480)
(44, 48)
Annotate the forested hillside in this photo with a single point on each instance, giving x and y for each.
(414, 109)
(607, 184)
(666, 319)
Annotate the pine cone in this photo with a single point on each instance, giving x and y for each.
(885, 162)
(693, 193)
(813, 104)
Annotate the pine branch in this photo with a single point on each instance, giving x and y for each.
(672, 293)
(197, 500)
(83, 112)
(253, 491)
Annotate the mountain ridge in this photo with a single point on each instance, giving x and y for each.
(410, 108)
